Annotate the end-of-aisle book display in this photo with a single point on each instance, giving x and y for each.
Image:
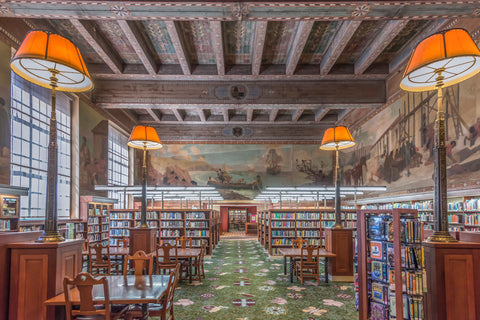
(391, 279)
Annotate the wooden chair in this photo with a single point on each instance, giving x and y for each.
(99, 259)
(164, 306)
(140, 261)
(183, 242)
(89, 309)
(165, 259)
(297, 243)
(198, 263)
(307, 266)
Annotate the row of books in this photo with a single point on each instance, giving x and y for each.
(281, 242)
(197, 233)
(4, 225)
(472, 219)
(351, 224)
(283, 233)
(381, 228)
(92, 229)
(171, 224)
(197, 224)
(308, 224)
(196, 215)
(171, 215)
(170, 233)
(328, 224)
(282, 216)
(308, 215)
(412, 308)
(151, 224)
(308, 233)
(150, 215)
(120, 232)
(121, 215)
(454, 218)
(93, 220)
(119, 224)
(283, 224)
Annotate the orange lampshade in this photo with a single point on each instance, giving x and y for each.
(41, 52)
(337, 137)
(143, 137)
(452, 52)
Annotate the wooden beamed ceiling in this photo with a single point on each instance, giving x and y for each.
(270, 65)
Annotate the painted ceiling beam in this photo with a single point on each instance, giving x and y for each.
(204, 107)
(137, 42)
(217, 43)
(217, 92)
(250, 114)
(375, 48)
(226, 117)
(341, 38)
(258, 46)
(299, 40)
(178, 43)
(153, 114)
(131, 115)
(201, 114)
(297, 114)
(320, 114)
(343, 114)
(239, 122)
(178, 115)
(99, 43)
(273, 115)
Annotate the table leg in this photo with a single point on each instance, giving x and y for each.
(326, 269)
(284, 264)
(190, 269)
(291, 269)
(144, 311)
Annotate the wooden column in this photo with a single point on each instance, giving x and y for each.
(340, 242)
(453, 280)
(142, 239)
(36, 274)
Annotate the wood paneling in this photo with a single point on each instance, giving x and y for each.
(37, 272)
(453, 280)
(6, 238)
(340, 242)
(142, 239)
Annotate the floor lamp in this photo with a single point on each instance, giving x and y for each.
(145, 138)
(441, 60)
(337, 138)
(53, 62)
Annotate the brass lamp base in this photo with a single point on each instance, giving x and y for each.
(441, 236)
(50, 237)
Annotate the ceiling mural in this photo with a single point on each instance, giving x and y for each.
(238, 171)
(278, 40)
(360, 41)
(321, 35)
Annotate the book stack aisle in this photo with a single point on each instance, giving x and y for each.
(391, 280)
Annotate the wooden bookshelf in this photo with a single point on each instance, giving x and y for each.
(200, 225)
(94, 210)
(10, 207)
(390, 264)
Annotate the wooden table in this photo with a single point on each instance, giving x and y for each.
(123, 290)
(295, 253)
(114, 251)
(189, 254)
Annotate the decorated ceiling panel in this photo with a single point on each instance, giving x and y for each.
(317, 43)
(158, 35)
(238, 37)
(118, 40)
(67, 30)
(359, 41)
(412, 28)
(197, 36)
(279, 35)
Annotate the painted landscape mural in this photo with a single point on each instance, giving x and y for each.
(395, 148)
(239, 172)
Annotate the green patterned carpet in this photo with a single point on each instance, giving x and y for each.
(243, 283)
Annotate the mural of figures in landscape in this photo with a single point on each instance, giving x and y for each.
(4, 114)
(237, 171)
(395, 148)
(93, 149)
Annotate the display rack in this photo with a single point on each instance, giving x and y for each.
(391, 281)
(10, 210)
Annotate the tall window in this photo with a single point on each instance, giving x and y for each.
(30, 121)
(117, 163)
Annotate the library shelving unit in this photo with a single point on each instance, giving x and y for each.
(94, 210)
(169, 223)
(261, 226)
(68, 228)
(10, 201)
(391, 274)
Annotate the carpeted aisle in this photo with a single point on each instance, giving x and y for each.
(243, 283)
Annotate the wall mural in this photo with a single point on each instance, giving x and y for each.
(239, 172)
(5, 55)
(395, 148)
(93, 149)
